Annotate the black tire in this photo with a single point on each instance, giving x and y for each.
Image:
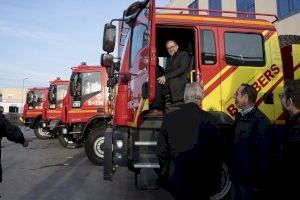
(94, 144)
(286, 40)
(67, 142)
(225, 184)
(40, 132)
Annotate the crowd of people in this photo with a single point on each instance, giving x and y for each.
(191, 148)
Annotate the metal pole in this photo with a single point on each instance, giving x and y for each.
(22, 98)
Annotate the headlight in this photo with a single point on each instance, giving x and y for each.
(120, 144)
(64, 131)
(44, 125)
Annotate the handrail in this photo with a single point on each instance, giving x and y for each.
(219, 11)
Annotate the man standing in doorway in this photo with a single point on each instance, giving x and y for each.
(175, 78)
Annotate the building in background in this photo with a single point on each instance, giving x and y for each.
(11, 99)
(288, 11)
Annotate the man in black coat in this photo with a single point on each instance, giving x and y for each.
(252, 146)
(175, 77)
(11, 132)
(288, 163)
(189, 149)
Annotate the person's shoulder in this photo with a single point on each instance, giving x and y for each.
(260, 115)
(183, 53)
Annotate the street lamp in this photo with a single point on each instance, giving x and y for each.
(23, 90)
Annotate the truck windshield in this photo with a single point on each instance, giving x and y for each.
(61, 92)
(91, 83)
(52, 94)
(34, 97)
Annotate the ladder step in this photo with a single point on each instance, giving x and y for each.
(75, 132)
(145, 143)
(146, 165)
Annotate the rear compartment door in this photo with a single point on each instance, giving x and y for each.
(248, 59)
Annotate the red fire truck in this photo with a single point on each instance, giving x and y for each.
(48, 126)
(85, 111)
(225, 52)
(33, 108)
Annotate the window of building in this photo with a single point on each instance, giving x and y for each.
(215, 5)
(244, 49)
(208, 48)
(194, 5)
(287, 7)
(245, 6)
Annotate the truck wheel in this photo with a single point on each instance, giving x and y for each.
(41, 132)
(67, 142)
(286, 40)
(94, 145)
(225, 184)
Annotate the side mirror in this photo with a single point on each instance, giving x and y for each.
(109, 38)
(107, 60)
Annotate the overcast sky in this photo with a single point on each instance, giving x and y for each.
(42, 39)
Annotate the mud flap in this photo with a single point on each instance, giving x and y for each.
(108, 161)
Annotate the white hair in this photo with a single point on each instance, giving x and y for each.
(193, 93)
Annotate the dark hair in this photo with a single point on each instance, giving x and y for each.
(170, 41)
(292, 90)
(250, 91)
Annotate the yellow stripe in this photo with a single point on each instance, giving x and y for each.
(53, 111)
(207, 85)
(33, 113)
(82, 111)
(279, 122)
(265, 32)
(184, 17)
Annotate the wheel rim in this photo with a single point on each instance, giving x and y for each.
(225, 185)
(97, 147)
(42, 132)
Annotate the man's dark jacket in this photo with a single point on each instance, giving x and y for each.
(288, 162)
(189, 153)
(176, 74)
(252, 148)
(11, 132)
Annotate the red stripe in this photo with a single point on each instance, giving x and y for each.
(268, 35)
(283, 116)
(222, 78)
(230, 71)
(260, 100)
(296, 67)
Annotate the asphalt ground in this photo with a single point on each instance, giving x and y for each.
(47, 171)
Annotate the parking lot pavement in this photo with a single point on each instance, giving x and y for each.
(47, 171)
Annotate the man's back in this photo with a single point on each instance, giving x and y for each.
(194, 144)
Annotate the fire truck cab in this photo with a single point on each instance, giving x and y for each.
(33, 108)
(48, 127)
(85, 111)
(225, 52)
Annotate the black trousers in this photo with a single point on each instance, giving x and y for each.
(161, 90)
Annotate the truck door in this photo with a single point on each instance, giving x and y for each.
(142, 60)
(211, 69)
(247, 57)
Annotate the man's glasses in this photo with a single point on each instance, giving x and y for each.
(171, 47)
